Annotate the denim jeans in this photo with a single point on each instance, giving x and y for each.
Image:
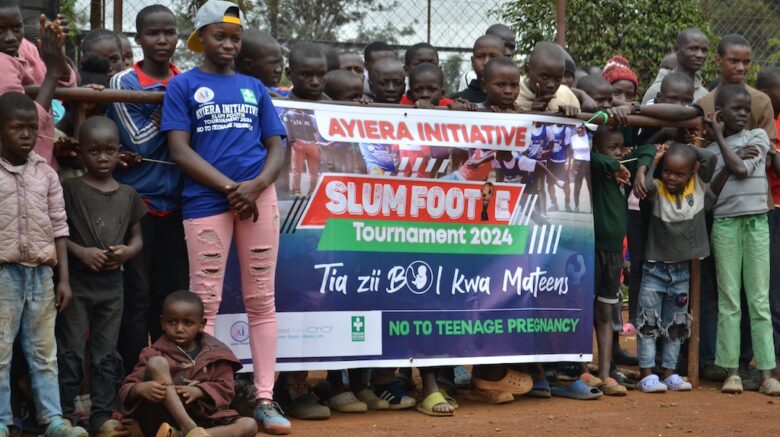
(96, 306)
(27, 308)
(663, 312)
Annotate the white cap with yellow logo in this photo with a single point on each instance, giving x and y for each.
(213, 12)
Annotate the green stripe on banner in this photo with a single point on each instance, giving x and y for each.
(422, 237)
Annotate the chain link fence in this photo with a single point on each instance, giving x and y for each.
(756, 20)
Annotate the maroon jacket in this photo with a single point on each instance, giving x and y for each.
(213, 368)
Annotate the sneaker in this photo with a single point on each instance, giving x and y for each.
(59, 428)
(676, 383)
(4, 431)
(651, 384)
(714, 373)
(306, 407)
(269, 416)
(395, 396)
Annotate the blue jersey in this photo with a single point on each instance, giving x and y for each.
(379, 156)
(561, 137)
(540, 141)
(228, 117)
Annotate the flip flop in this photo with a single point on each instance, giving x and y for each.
(430, 401)
(541, 390)
(517, 383)
(591, 380)
(450, 400)
(577, 390)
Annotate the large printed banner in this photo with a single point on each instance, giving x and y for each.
(416, 237)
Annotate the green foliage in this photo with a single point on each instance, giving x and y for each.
(76, 20)
(643, 31)
(451, 70)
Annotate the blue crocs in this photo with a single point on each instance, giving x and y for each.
(60, 428)
(269, 416)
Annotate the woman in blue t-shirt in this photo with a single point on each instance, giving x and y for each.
(225, 134)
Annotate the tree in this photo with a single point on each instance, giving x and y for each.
(643, 31)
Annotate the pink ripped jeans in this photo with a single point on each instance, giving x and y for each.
(257, 244)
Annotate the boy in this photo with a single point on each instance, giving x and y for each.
(507, 35)
(307, 70)
(541, 88)
(343, 86)
(610, 216)
(127, 51)
(740, 238)
(261, 57)
(105, 44)
(677, 234)
(21, 65)
(371, 54)
(420, 53)
(105, 232)
(162, 264)
(185, 379)
(386, 78)
(352, 62)
(33, 238)
(769, 82)
(486, 47)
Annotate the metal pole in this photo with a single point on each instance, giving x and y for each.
(118, 15)
(560, 23)
(429, 22)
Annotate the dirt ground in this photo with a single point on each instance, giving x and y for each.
(704, 411)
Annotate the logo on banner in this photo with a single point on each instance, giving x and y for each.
(419, 277)
(358, 328)
(239, 332)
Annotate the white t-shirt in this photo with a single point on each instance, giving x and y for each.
(580, 146)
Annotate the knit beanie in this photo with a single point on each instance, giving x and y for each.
(618, 68)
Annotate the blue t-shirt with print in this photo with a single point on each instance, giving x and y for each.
(228, 117)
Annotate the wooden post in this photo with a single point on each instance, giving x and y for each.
(118, 15)
(560, 23)
(95, 14)
(694, 305)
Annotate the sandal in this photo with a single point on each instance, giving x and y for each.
(732, 384)
(347, 403)
(770, 387)
(651, 384)
(371, 400)
(541, 390)
(517, 383)
(449, 398)
(676, 383)
(166, 430)
(577, 390)
(431, 401)
(610, 387)
(591, 380)
(487, 396)
(622, 379)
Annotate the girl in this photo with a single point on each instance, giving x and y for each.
(224, 133)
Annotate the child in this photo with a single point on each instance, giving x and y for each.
(740, 239)
(105, 44)
(162, 264)
(677, 234)
(769, 83)
(624, 81)
(486, 47)
(599, 90)
(21, 65)
(507, 35)
(420, 53)
(541, 88)
(559, 162)
(261, 57)
(386, 78)
(229, 179)
(371, 54)
(352, 62)
(127, 51)
(33, 238)
(610, 216)
(343, 86)
(185, 379)
(307, 70)
(580, 147)
(103, 217)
